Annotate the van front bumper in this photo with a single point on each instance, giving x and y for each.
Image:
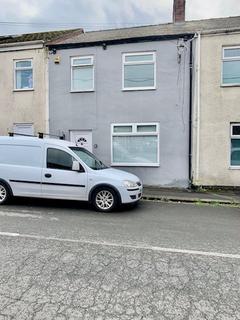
(131, 195)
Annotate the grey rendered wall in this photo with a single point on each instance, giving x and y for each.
(168, 105)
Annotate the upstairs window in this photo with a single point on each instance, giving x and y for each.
(23, 73)
(231, 66)
(235, 144)
(82, 74)
(139, 71)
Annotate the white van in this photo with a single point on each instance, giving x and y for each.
(57, 169)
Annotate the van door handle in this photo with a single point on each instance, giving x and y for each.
(48, 175)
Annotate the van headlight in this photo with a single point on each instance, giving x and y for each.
(130, 184)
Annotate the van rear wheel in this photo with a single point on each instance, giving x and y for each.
(105, 199)
(4, 193)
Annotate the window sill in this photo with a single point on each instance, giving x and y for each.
(20, 90)
(139, 89)
(85, 91)
(156, 165)
(234, 168)
(230, 85)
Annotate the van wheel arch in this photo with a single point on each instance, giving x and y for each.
(101, 186)
(8, 189)
(7, 186)
(104, 185)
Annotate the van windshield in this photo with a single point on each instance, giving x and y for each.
(88, 158)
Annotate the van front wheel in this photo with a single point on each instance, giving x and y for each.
(105, 199)
(4, 193)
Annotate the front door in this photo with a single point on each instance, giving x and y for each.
(59, 181)
(82, 138)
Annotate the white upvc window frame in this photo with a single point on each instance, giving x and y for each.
(92, 64)
(232, 136)
(124, 63)
(22, 69)
(17, 126)
(224, 59)
(136, 133)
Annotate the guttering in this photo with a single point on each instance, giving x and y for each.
(220, 31)
(198, 105)
(47, 111)
(26, 45)
(119, 41)
(190, 117)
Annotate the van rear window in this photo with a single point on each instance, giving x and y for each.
(21, 155)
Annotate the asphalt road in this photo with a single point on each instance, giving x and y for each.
(60, 260)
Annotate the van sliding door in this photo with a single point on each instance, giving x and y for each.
(21, 167)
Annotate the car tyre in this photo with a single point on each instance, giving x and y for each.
(105, 199)
(5, 194)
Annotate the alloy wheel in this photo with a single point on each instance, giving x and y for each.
(104, 200)
(3, 193)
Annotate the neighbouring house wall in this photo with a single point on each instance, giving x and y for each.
(23, 106)
(96, 111)
(219, 106)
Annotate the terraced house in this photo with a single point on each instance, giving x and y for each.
(154, 100)
(124, 95)
(24, 82)
(216, 120)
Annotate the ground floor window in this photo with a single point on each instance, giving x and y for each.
(135, 144)
(235, 144)
(23, 128)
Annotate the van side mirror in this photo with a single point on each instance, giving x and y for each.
(75, 166)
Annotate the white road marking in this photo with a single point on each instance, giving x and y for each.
(19, 214)
(129, 246)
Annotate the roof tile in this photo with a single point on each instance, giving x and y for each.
(188, 27)
(44, 36)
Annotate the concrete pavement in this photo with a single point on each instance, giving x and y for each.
(60, 260)
(215, 196)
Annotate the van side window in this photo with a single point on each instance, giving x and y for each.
(58, 159)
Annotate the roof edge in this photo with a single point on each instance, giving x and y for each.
(71, 32)
(221, 31)
(21, 44)
(120, 41)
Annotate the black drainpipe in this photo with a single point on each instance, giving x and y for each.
(190, 119)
